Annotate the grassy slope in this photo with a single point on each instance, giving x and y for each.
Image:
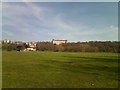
(59, 69)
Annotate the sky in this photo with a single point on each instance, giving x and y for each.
(73, 21)
(60, 0)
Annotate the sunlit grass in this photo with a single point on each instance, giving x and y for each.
(59, 69)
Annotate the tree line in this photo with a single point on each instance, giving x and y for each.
(91, 46)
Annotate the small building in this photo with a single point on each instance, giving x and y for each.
(6, 41)
(31, 46)
(58, 42)
(29, 49)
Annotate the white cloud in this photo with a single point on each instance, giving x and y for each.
(7, 33)
(70, 30)
(55, 26)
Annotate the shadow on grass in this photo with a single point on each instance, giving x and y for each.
(95, 59)
(95, 65)
(90, 68)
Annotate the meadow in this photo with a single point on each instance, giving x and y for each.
(59, 70)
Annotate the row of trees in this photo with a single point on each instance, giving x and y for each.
(13, 46)
(92, 46)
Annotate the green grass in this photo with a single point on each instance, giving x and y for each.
(59, 70)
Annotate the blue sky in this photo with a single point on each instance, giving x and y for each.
(40, 21)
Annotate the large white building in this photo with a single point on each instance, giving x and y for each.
(58, 42)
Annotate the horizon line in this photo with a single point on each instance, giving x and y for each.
(60, 39)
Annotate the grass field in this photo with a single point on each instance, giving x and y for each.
(59, 70)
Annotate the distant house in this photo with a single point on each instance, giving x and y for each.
(6, 41)
(31, 46)
(29, 49)
(58, 42)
